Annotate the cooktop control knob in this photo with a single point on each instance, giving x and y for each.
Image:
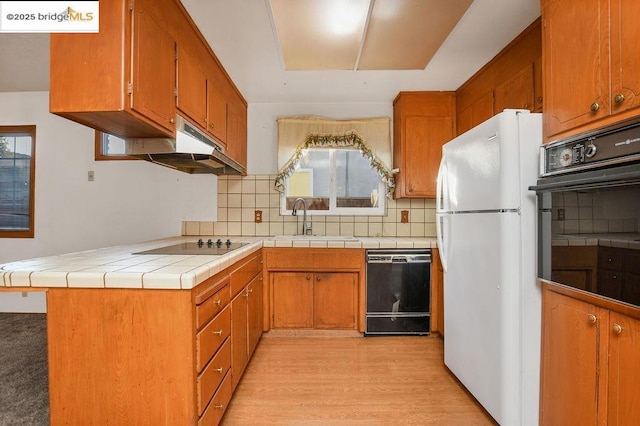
(591, 150)
(228, 243)
(209, 242)
(200, 243)
(219, 243)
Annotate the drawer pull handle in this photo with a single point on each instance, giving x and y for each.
(219, 332)
(218, 370)
(219, 406)
(250, 290)
(592, 318)
(617, 328)
(595, 107)
(218, 302)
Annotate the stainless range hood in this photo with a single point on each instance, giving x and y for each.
(191, 151)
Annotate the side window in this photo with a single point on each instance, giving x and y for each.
(335, 181)
(110, 147)
(17, 181)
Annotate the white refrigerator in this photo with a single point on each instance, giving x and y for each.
(486, 220)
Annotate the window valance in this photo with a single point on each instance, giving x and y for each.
(371, 136)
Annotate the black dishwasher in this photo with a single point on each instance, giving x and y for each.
(398, 292)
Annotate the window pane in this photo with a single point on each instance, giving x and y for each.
(356, 183)
(15, 181)
(311, 180)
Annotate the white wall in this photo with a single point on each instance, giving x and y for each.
(129, 201)
(263, 130)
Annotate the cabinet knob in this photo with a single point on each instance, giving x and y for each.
(619, 98)
(218, 302)
(308, 277)
(212, 125)
(219, 332)
(539, 98)
(591, 318)
(617, 328)
(318, 278)
(250, 290)
(595, 107)
(171, 120)
(526, 106)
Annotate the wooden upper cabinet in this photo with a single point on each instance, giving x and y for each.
(217, 112)
(625, 55)
(576, 63)
(120, 80)
(192, 87)
(237, 132)
(517, 92)
(154, 70)
(480, 110)
(591, 53)
(422, 123)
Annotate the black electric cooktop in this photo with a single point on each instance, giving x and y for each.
(209, 247)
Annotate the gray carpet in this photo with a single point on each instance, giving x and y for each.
(24, 386)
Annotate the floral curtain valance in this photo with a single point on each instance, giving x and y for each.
(372, 136)
(349, 139)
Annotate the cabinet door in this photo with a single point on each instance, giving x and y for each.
(576, 63)
(624, 370)
(255, 313)
(625, 54)
(424, 137)
(516, 93)
(192, 88)
(570, 360)
(239, 354)
(335, 300)
(291, 300)
(217, 112)
(154, 71)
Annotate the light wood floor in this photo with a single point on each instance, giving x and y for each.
(339, 380)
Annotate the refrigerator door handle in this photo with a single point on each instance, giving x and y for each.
(441, 192)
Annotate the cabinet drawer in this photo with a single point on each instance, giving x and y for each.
(212, 376)
(243, 275)
(290, 259)
(610, 258)
(218, 405)
(211, 306)
(211, 337)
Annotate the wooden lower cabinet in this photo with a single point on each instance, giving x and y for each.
(590, 352)
(152, 357)
(315, 288)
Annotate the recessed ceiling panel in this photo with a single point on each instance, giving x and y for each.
(320, 34)
(405, 34)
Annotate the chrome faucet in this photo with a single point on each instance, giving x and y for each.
(306, 227)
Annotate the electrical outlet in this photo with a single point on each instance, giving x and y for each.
(258, 216)
(560, 214)
(90, 175)
(404, 216)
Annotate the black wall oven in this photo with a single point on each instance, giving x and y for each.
(398, 292)
(589, 213)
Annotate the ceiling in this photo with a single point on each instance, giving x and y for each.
(244, 35)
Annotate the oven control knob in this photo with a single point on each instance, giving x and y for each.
(591, 150)
(219, 243)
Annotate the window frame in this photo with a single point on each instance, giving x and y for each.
(334, 210)
(99, 155)
(28, 233)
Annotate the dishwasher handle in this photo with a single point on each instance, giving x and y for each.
(399, 258)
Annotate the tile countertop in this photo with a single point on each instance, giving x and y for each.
(118, 267)
(620, 240)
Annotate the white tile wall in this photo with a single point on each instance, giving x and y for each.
(239, 198)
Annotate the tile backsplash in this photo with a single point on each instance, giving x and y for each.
(239, 198)
(586, 212)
